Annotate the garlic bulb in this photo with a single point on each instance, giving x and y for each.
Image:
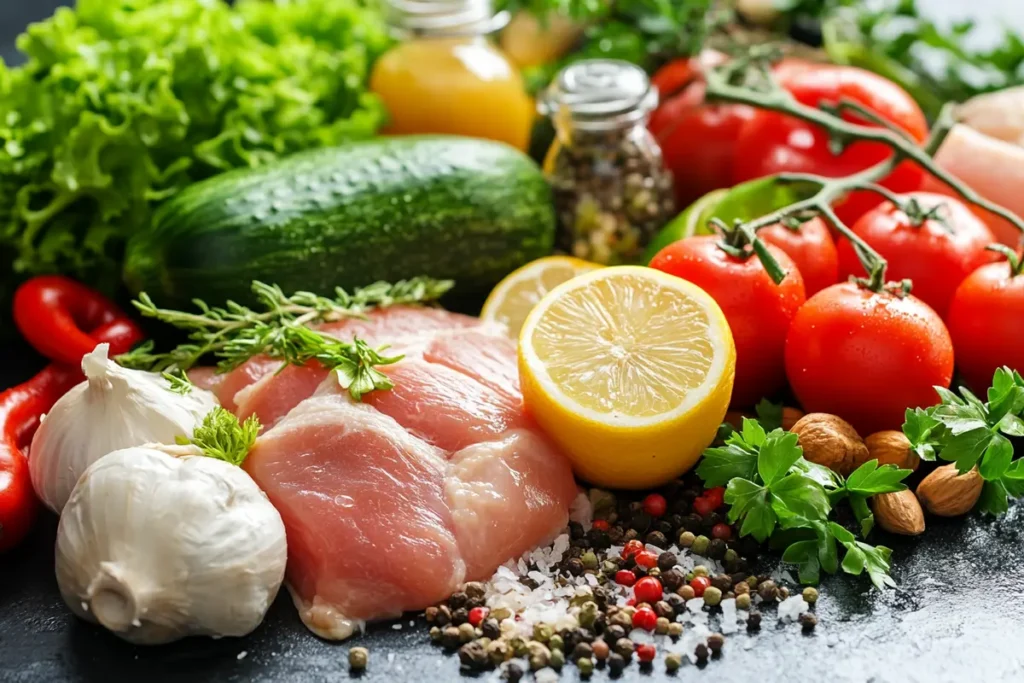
(156, 547)
(113, 408)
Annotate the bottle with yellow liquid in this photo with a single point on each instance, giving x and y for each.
(446, 76)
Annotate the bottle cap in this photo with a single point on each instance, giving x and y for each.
(600, 93)
(444, 17)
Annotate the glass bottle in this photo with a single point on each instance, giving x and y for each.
(612, 190)
(446, 76)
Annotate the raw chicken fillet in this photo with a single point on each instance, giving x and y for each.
(392, 503)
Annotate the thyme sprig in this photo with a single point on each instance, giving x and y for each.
(235, 333)
(747, 80)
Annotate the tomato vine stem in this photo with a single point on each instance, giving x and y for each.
(748, 80)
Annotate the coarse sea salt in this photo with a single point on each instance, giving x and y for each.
(729, 616)
(791, 608)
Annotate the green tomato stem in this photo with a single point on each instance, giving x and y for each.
(1016, 262)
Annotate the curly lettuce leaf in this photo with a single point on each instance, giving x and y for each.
(122, 103)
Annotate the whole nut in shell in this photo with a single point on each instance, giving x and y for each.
(899, 513)
(947, 493)
(831, 441)
(892, 447)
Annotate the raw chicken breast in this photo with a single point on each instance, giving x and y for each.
(390, 504)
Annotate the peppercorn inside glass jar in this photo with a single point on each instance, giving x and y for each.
(612, 190)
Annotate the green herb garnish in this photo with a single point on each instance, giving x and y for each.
(777, 494)
(222, 437)
(973, 433)
(235, 333)
(178, 382)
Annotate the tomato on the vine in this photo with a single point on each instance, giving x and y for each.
(758, 310)
(774, 143)
(936, 243)
(986, 321)
(696, 139)
(867, 356)
(812, 249)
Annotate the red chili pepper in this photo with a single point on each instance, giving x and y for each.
(20, 410)
(58, 316)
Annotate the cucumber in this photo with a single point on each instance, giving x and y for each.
(386, 209)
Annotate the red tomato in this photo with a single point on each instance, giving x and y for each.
(758, 311)
(936, 256)
(812, 250)
(986, 322)
(697, 139)
(867, 356)
(773, 143)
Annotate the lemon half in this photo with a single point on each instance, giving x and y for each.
(514, 297)
(630, 371)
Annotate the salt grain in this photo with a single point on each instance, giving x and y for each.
(242, 655)
(695, 604)
(729, 616)
(791, 608)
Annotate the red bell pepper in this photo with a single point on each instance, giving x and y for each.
(57, 316)
(21, 408)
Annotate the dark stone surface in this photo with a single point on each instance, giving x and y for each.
(956, 617)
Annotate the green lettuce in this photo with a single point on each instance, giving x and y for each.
(122, 103)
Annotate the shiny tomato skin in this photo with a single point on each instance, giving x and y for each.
(812, 249)
(986, 322)
(936, 258)
(867, 357)
(758, 311)
(773, 143)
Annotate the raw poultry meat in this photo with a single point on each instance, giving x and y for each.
(392, 503)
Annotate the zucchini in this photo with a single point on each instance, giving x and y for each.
(386, 209)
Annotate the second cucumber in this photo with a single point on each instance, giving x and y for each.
(387, 209)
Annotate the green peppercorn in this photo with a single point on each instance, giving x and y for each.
(731, 557)
(743, 601)
(450, 637)
(589, 560)
(661, 626)
(673, 661)
(498, 652)
(810, 594)
(466, 632)
(712, 596)
(543, 632)
(500, 614)
(555, 642)
(700, 545)
(557, 659)
(675, 629)
(539, 655)
(701, 570)
(586, 666)
(622, 618)
(686, 539)
(518, 646)
(358, 658)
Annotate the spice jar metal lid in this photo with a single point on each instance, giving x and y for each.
(598, 94)
(444, 17)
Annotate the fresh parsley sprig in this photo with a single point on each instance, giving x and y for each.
(235, 333)
(973, 433)
(776, 494)
(222, 437)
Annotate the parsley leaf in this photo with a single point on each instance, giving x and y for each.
(720, 465)
(779, 453)
(924, 432)
(870, 479)
(993, 500)
(749, 502)
(800, 496)
(967, 448)
(769, 414)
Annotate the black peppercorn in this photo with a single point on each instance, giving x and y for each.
(491, 629)
(722, 582)
(614, 633)
(665, 527)
(443, 616)
(656, 538)
(574, 566)
(641, 521)
(663, 609)
(701, 651)
(616, 664)
(672, 579)
(598, 539)
(753, 620)
(457, 600)
(693, 522)
(666, 561)
(514, 673)
(716, 549)
(576, 530)
(582, 650)
(675, 601)
(473, 655)
(808, 621)
(715, 642)
(460, 616)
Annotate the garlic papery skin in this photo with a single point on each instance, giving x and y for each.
(157, 543)
(113, 408)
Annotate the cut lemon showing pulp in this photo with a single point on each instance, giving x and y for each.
(514, 297)
(630, 371)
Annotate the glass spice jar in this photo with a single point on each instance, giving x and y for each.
(612, 190)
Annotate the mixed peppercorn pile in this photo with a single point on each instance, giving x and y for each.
(664, 575)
